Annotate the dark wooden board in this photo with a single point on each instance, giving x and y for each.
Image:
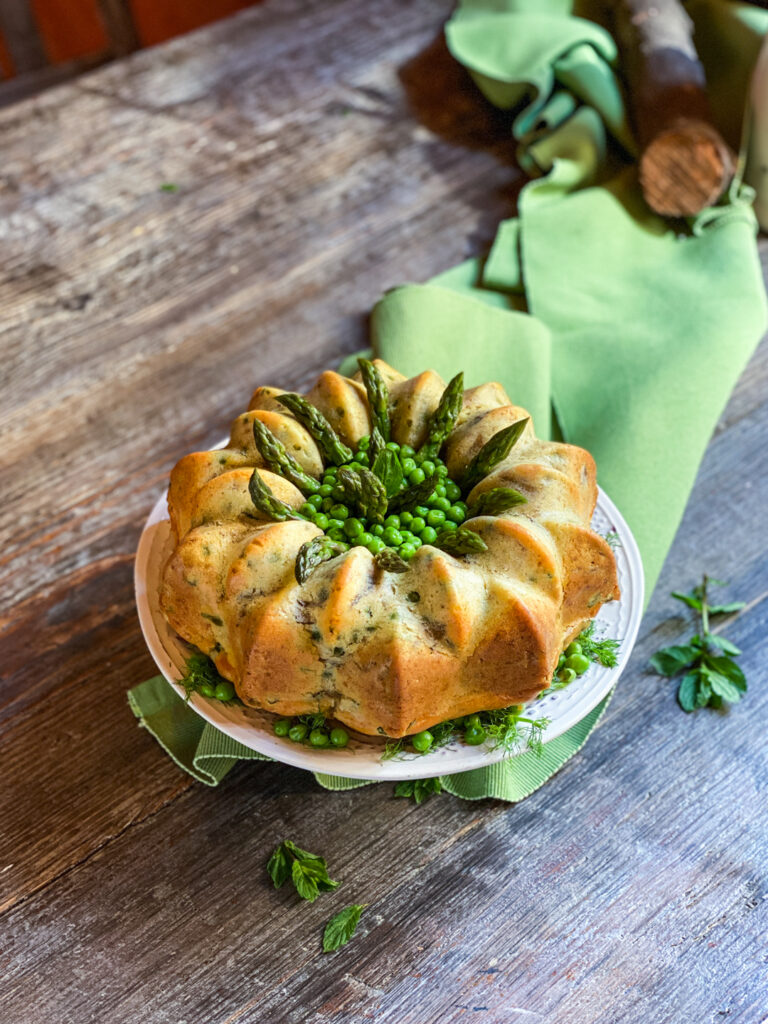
(323, 152)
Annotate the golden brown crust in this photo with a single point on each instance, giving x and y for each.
(379, 651)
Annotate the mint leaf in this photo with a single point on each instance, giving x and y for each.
(671, 660)
(686, 692)
(726, 609)
(279, 866)
(341, 927)
(690, 599)
(389, 470)
(715, 640)
(419, 790)
(306, 885)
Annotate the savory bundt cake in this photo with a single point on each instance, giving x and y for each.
(386, 551)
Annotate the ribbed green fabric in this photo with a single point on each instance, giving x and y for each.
(635, 330)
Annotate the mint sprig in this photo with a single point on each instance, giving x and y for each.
(307, 871)
(709, 673)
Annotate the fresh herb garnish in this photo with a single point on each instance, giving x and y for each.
(419, 790)
(307, 871)
(341, 927)
(710, 675)
(169, 186)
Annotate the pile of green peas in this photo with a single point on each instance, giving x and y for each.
(572, 662)
(302, 732)
(470, 727)
(404, 532)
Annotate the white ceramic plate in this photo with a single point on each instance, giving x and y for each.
(361, 759)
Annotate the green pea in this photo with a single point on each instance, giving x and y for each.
(452, 490)
(566, 676)
(406, 518)
(375, 545)
(473, 722)
(407, 451)
(207, 690)
(407, 537)
(316, 500)
(393, 446)
(417, 525)
(327, 504)
(335, 524)
(224, 690)
(422, 741)
(415, 543)
(416, 476)
(353, 527)
(364, 443)
(442, 503)
(338, 492)
(330, 471)
(428, 467)
(455, 514)
(336, 534)
(428, 535)
(297, 732)
(441, 469)
(377, 529)
(321, 520)
(409, 466)
(393, 522)
(441, 492)
(561, 661)
(421, 510)
(282, 726)
(362, 458)
(339, 737)
(339, 512)
(573, 648)
(406, 552)
(308, 510)
(325, 490)
(579, 663)
(435, 517)
(318, 738)
(366, 538)
(474, 736)
(449, 525)
(391, 537)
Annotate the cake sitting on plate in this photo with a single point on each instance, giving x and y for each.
(385, 551)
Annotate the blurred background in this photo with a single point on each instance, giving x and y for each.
(45, 41)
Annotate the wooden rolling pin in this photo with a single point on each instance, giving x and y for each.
(685, 164)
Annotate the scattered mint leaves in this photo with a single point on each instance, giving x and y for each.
(307, 871)
(419, 790)
(341, 927)
(709, 673)
(169, 186)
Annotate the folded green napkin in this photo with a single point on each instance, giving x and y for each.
(636, 329)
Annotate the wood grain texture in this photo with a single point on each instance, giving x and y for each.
(631, 887)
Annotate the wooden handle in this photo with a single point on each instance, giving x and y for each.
(685, 164)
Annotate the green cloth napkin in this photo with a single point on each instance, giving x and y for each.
(636, 329)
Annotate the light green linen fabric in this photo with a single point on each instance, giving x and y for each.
(635, 330)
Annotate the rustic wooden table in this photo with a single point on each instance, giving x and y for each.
(323, 151)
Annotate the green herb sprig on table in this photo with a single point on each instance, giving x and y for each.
(307, 871)
(419, 790)
(709, 673)
(341, 927)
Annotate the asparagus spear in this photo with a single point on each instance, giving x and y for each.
(492, 453)
(443, 419)
(389, 561)
(313, 553)
(378, 396)
(496, 501)
(265, 501)
(318, 426)
(364, 491)
(460, 542)
(281, 461)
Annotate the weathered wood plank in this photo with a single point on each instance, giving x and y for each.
(631, 887)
